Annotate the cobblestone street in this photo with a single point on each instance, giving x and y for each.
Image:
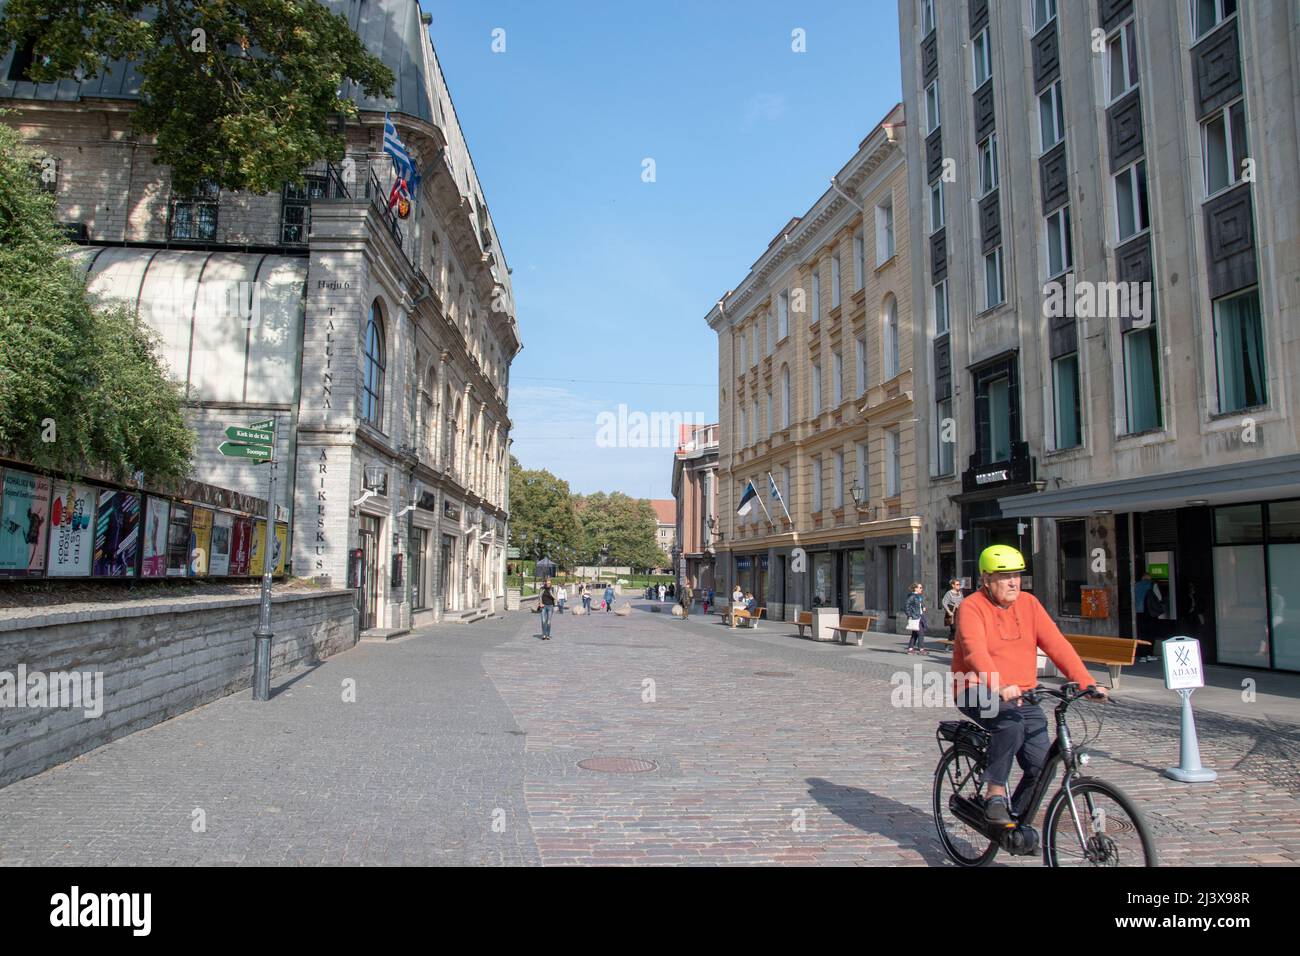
(466, 745)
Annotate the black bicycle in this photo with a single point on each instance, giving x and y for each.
(1087, 823)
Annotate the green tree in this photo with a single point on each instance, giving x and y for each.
(625, 525)
(81, 390)
(239, 92)
(542, 518)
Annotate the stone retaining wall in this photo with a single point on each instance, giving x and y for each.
(158, 658)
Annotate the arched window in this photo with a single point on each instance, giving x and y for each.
(372, 381)
(785, 396)
(889, 332)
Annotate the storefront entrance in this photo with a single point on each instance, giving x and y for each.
(445, 575)
(369, 572)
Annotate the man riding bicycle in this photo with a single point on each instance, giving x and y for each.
(994, 661)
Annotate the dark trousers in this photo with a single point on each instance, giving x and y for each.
(918, 637)
(1018, 733)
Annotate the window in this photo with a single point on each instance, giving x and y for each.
(753, 424)
(786, 490)
(1044, 11)
(771, 330)
(927, 17)
(999, 423)
(1239, 352)
(372, 381)
(936, 207)
(785, 396)
(195, 216)
(753, 355)
(744, 426)
(1223, 144)
(1142, 380)
(994, 293)
(1051, 117)
(1121, 61)
(783, 314)
(837, 378)
(893, 463)
(767, 419)
(989, 165)
(816, 296)
(837, 480)
(816, 389)
(884, 232)
(295, 208)
(933, 116)
(835, 281)
(816, 485)
(1072, 541)
(1131, 206)
(889, 333)
(858, 262)
(945, 434)
(941, 308)
(863, 487)
(1065, 381)
(860, 354)
(980, 58)
(1208, 14)
(741, 352)
(1060, 248)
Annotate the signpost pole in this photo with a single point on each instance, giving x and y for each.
(1182, 658)
(262, 636)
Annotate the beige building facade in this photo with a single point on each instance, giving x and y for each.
(815, 374)
(695, 494)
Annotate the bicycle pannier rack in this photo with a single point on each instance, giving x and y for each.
(962, 732)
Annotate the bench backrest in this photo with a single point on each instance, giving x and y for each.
(1097, 647)
(803, 617)
(856, 620)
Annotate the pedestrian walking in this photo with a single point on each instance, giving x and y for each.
(687, 596)
(586, 599)
(915, 609)
(951, 601)
(561, 598)
(548, 608)
(708, 601)
(663, 592)
(1150, 606)
(609, 597)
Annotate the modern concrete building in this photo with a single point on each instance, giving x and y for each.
(380, 346)
(1112, 331)
(815, 356)
(695, 505)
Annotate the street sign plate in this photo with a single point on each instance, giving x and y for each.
(250, 435)
(256, 452)
(265, 425)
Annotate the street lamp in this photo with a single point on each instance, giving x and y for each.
(856, 491)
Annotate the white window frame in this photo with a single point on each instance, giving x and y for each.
(885, 246)
(837, 482)
(1131, 174)
(1061, 221)
(816, 484)
(836, 277)
(1126, 34)
(783, 313)
(978, 43)
(933, 107)
(1223, 115)
(927, 17)
(989, 165)
(942, 316)
(989, 301)
(1041, 7)
(860, 347)
(893, 463)
(1057, 110)
(936, 189)
(864, 472)
(1219, 17)
(889, 338)
(816, 388)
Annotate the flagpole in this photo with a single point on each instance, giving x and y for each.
(780, 497)
(764, 507)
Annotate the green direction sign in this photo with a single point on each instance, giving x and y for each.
(234, 450)
(266, 425)
(250, 435)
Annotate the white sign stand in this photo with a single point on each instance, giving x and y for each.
(1183, 673)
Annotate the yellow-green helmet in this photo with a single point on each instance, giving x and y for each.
(1001, 557)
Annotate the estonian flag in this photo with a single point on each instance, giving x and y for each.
(747, 499)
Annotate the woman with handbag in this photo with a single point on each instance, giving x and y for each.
(951, 601)
(915, 609)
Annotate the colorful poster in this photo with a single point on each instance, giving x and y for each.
(200, 542)
(279, 545)
(72, 535)
(155, 538)
(219, 557)
(178, 541)
(117, 535)
(24, 517)
(241, 544)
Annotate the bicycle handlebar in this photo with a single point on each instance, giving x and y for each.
(1068, 693)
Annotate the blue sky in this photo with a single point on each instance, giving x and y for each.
(612, 275)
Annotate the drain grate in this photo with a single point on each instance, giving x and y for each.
(618, 764)
(773, 673)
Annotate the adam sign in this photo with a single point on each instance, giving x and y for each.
(1182, 657)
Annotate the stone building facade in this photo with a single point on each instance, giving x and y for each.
(1109, 367)
(381, 346)
(815, 369)
(695, 500)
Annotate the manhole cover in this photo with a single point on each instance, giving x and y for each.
(618, 764)
(773, 673)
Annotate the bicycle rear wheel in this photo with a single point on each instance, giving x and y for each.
(961, 774)
(1099, 827)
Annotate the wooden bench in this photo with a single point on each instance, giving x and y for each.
(1114, 652)
(857, 624)
(803, 619)
(749, 618)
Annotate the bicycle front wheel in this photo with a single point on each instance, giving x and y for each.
(1095, 824)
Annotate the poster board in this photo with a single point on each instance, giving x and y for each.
(279, 548)
(24, 522)
(241, 544)
(200, 542)
(117, 535)
(1182, 660)
(72, 531)
(223, 528)
(154, 564)
(178, 541)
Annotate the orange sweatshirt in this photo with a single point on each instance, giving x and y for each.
(1001, 644)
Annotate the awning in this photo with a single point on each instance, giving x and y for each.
(1265, 480)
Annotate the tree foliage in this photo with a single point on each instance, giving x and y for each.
(627, 526)
(543, 522)
(81, 390)
(239, 92)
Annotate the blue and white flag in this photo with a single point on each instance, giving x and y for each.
(776, 496)
(747, 499)
(403, 163)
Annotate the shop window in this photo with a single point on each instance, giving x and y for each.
(1072, 543)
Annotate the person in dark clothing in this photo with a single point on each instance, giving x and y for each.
(548, 608)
